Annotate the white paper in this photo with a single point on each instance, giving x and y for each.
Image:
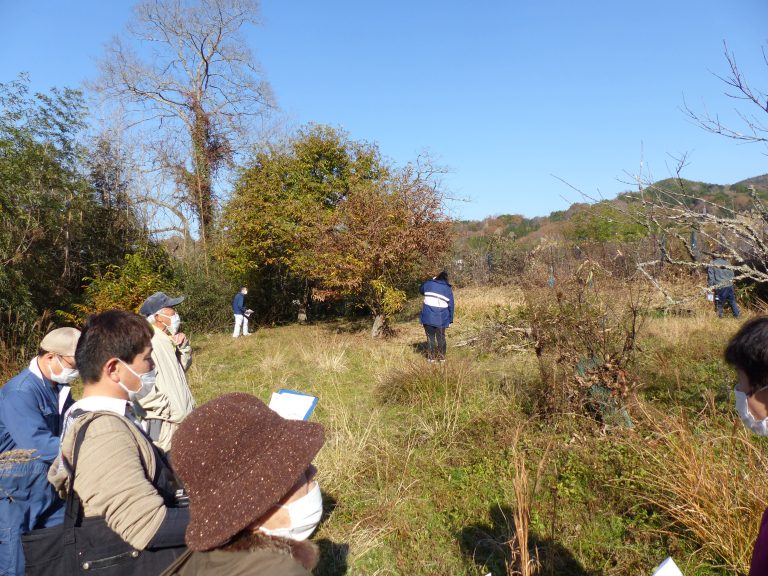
(291, 406)
(667, 568)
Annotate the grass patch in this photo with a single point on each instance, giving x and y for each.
(446, 469)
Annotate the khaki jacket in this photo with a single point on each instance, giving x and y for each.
(171, 400)
(118, 476)
(257, 555)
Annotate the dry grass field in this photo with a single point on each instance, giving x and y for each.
(450, 469)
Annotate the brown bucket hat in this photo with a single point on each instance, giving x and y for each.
(237, 459)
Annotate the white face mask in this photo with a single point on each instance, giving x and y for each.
(147, 383)
(66, 376)
(173, 328)
(759, 427)
(305, 515)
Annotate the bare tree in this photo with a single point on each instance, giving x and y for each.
(193, 82)
(688, 227)
(689, 230)
(753, 127)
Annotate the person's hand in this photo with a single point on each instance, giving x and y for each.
(180, 339)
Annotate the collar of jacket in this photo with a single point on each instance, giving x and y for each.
(303, 551)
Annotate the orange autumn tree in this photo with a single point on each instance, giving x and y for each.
(381, 238)
(321, 216)
(282, 204)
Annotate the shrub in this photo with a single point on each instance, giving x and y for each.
(208, 295)
(585, 330)
(125, 287)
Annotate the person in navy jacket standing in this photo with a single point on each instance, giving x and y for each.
(436, 314)
(241, 313)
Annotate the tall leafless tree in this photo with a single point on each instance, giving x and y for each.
(753, 128)
(691, 230)
(184, 72)
(700, 226)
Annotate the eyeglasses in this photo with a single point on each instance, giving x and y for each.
(67, 361)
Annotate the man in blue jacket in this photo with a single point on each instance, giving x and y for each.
(436, 314)
(241, 313)
(31, 408)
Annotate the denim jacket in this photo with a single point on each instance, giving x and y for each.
(30, 413)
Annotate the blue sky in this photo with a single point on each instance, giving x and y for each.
(510, 95)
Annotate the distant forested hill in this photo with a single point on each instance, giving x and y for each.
(517, 227)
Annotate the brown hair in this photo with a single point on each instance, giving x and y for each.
(115, 333)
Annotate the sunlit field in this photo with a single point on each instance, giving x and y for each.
(450, 469)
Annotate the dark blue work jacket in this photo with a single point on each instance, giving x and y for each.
(30, 418)
(238, 303)
(437, 309)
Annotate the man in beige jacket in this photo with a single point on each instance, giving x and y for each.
(171, 400)
(119, 475)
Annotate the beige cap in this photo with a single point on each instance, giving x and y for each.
(62, 341)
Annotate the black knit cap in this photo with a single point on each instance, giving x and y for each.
(237, 459)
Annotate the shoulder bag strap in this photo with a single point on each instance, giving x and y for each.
(73, 510)
(159, 454)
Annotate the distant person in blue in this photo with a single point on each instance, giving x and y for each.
(31, 405)
(720, 280)
(436, 314)
(241, 313)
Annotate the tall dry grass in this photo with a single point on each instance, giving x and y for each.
(701, 330)
(477, 301)
(355, 440)
(439, 396)
(709, 478)
(328, 353)
(523, 562)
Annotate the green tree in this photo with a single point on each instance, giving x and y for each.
(58, 220)
(41, 192)
(281, 205)
(322, 216)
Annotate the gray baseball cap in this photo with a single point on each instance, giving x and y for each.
(158, 301)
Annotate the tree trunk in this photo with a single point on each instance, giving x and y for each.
(201, 186)
(380, 326)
